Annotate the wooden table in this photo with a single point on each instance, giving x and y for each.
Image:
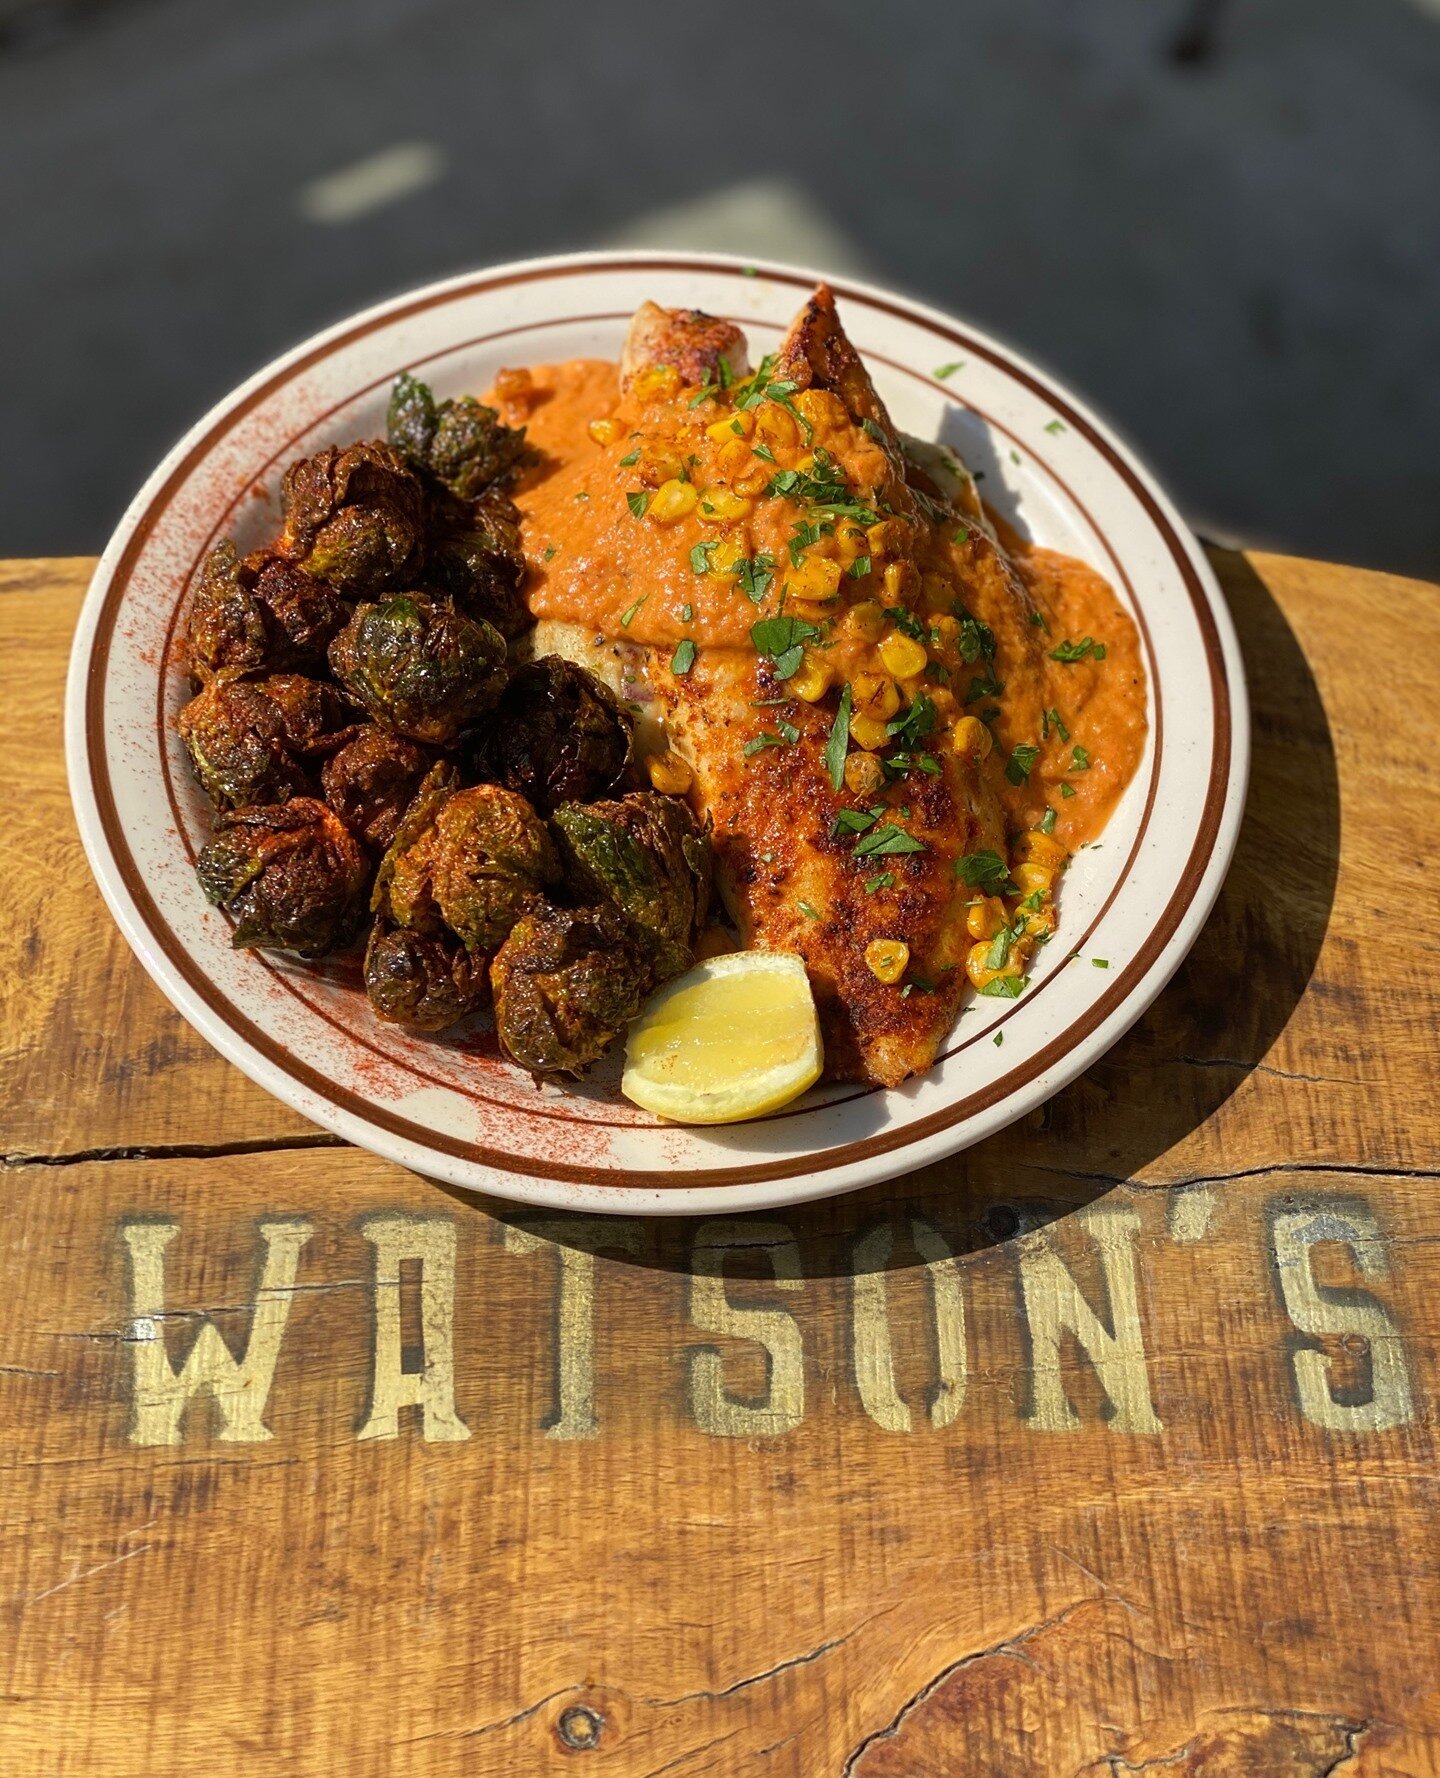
(311, 1466)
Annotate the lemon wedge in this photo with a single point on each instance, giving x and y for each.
(735, 1037)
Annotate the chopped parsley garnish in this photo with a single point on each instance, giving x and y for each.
(998, 954)
(1067, 790)
(1054, 425)
(986, 871)
(883, 879)
(874, 433)
(637, 502)
(1068, 652)
(999, 1038)
(630, 461)
(1015, 456)
(823, 486)
(857, 820)
(1039, 621)
(763, 386)
(976, 639)
(753, 575)
(914, 723)
(763, 452)
(899, 763)
(582, 495)
(1006, 987)
(550, 551)
(944, 371)
(1021, 763)
(1047, 821)
(700, 555)
(859, 568)
(906, 620)
(737, 429)
(1051, 719)
(750, 271)
(625, 621)
(809, 912)
(883, 841)
(988, 687)
(962, 535)
(1099, 962)
(787, 737)
(836, 746)
(687, 614)
(683, 658)
(1079, 760)
(783, 640)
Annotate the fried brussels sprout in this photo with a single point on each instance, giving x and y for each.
(354, 517)
(566, 983)
(419, 667)
(255, 740)
(479, 865)
(462, 443)
(476, 559)
(262, 614)
(645, 855)
(559, 735)
(428, 981)
(292, 876)
(371, 782)
(413, 906)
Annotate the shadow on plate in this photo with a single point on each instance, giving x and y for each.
(1225, 1007)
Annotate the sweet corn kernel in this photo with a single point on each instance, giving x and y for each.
(886, 958)
(669, 774)
(971, 737)
(1038, 921)
(887, 538)
(903, 656)
(812, 681)
(938, 591)
(947, 629)
(805, 608)
(774, 427)
(723, 507)
(732, 459)
(850, 542)
(868, 732)
(604, 432)
(899, 580)
(864, 774)
(815, 578)
(1030, 877)
(976, 969)
(1040, 848)
(723, 431)
(752, 482)
(876, 694)
(820, 407)
(659, 468)
(673, 499)
(984, 918)
(656, 382)
(727, 556)
(864, 621)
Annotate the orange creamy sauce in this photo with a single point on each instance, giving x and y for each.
(632, 576)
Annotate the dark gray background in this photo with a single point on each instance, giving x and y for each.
(1221, 223)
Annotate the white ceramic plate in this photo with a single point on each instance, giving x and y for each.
(455, 1109)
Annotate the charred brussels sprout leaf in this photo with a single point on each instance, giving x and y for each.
(413, 906)
(420, 667)
(426, 981)
(476, 559)
(292, 876)
(264, 614)
(559, 735)
(566, 983)
(251, 740)
(354, 517)
(371, 782)
(462, 443)
(645, 855)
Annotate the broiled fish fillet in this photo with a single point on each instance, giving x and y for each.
(903, 550)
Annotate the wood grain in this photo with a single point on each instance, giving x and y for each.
(956, 1550)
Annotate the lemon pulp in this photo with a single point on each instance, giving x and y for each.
(735, 1037)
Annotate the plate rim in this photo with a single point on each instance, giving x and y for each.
(795, 1179)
